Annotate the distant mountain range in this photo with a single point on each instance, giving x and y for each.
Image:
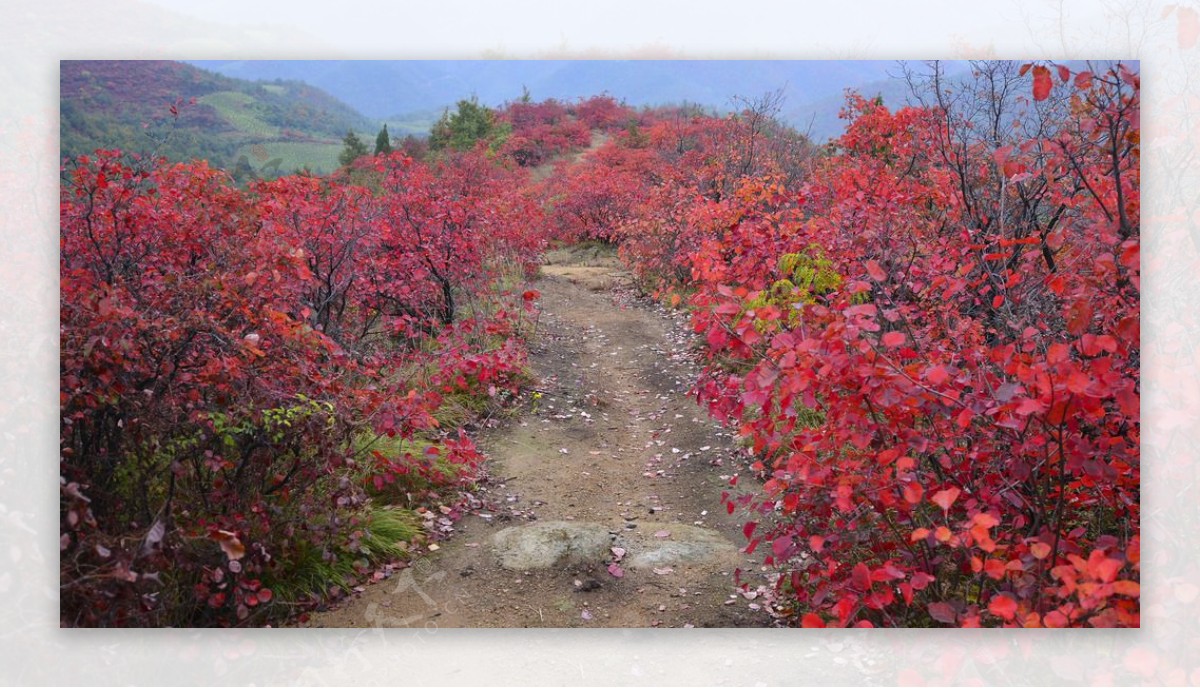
(408, 90)
(275, 116)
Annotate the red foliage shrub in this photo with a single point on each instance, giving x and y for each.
(224, 350)
(932, 346)
(542, 131)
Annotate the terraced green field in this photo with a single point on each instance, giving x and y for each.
(417, 124)
(268, 155)
(284, 157)
(238, 110)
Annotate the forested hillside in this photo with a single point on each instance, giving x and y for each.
(920, 344)
(181, 112)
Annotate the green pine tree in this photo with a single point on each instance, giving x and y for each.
(383, 143)
(353, 150)
(471, 123)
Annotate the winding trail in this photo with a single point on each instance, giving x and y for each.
(614, 454)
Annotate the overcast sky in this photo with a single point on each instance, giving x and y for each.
(528, 27)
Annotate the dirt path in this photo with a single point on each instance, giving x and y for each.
(614, 454)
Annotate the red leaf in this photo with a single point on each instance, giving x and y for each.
(985, 520)
(1127, 588)
(994, 568)
(945, 498)
(920, 580)
(616, 571)
(1079, 317)
(893, 339)
(782, 547)
(1131, 255)
(963, 419)
(1056, 619)
(1102, 567)
(811, 620)
(860, 577)
(791, 502)
(1028, 406)
(1064, 74)
(842, 497)
(942, 611)
(1078, 382)
(717, 339)
(913, 492)
(936, 374)
(1003, 606)
(748, 529)
(1041, 83)
(875, 271)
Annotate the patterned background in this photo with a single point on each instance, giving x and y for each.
(1165, 37)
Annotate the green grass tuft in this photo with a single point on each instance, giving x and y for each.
(389, 531)
(309, 572)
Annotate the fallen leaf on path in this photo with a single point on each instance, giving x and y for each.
(230, 544)
(664, 570)
(618, 552)
(616, 571)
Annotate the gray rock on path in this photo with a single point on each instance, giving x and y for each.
(554, 544)
(551, 544)
(687, 545)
